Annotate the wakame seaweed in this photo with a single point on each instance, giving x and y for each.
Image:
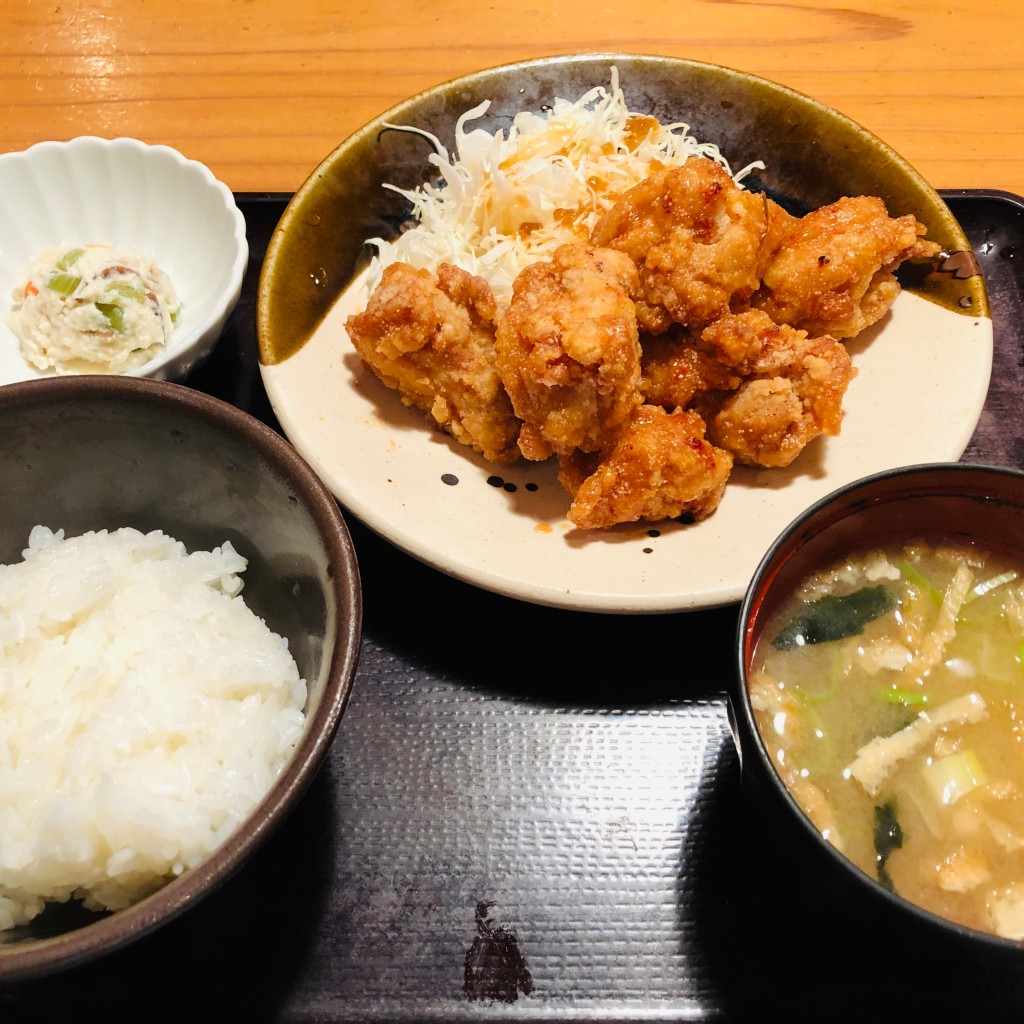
(833, 617)
(888, 837)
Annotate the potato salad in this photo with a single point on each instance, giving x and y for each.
(92, 309)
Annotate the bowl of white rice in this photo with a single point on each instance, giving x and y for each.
(180, 616)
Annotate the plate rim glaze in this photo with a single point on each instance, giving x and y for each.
(280, 341)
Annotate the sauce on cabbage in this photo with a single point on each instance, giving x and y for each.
(503, 200)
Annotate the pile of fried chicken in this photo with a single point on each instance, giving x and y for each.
(700, 325)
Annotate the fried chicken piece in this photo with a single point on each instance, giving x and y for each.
(792, 390)
(432, 340)
(697, 239)
(675, 371)
(568, 350)
(661, 467)
(833, 272)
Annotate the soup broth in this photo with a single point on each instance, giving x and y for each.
(889, 692)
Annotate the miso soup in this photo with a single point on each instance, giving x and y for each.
(889, 692)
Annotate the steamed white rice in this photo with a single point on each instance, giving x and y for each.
(144, 711)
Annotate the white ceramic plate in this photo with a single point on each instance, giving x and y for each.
(922, 382)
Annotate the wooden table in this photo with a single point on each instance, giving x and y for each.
(262, 90)
(658, 864)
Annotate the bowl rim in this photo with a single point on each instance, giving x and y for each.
(216, 314)
(307, 189)
(115, 930)
(747, 736)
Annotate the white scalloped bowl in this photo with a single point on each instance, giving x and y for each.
(144, 198)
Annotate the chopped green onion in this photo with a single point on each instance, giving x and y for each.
(950, 777)
(63, 284)
(114, 314)
(913, 576)
(809, 697)
(905, 697)
(986, 586)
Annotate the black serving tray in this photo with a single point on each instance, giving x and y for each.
(535, 814)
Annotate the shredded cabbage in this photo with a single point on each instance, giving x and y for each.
(503, 202)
